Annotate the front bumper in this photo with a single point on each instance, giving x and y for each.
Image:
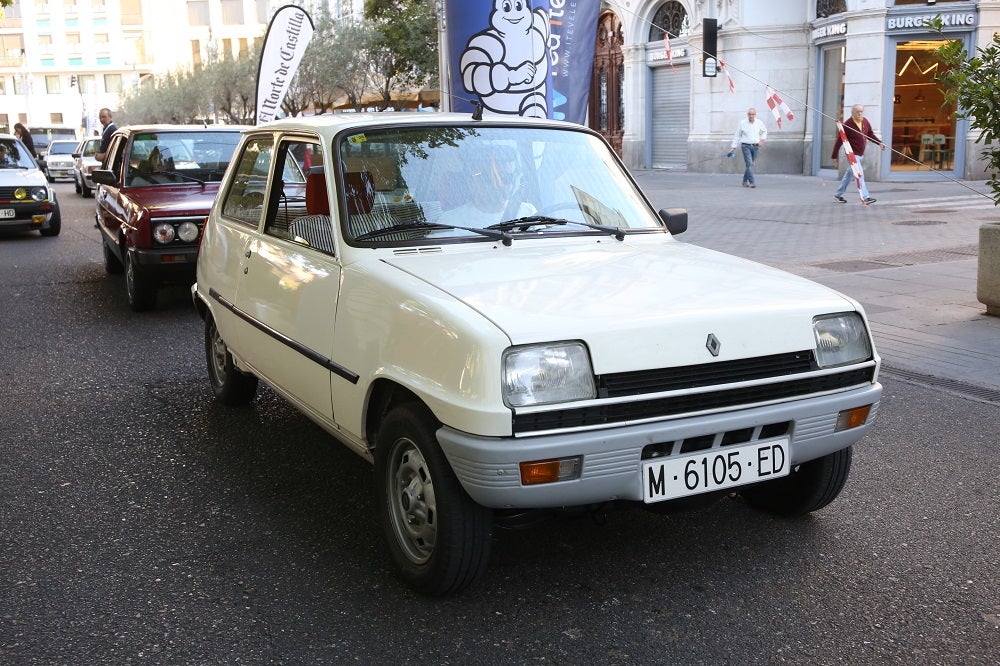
(168, 264)
(28, 216)
(488, 468)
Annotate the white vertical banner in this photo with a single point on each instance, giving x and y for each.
(286, 40)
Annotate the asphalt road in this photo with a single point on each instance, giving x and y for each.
(141, 523)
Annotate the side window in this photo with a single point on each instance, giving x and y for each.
(300, 210)
(244, 200)
(117, 150)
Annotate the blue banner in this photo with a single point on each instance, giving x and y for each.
(522, 57)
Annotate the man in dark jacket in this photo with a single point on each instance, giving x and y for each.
(109, 128)
(859, 132)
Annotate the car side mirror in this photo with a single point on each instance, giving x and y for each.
(104, 177)
(676, 220)
(76, 156)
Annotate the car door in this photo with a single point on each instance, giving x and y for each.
(288, 286)
(110, 207)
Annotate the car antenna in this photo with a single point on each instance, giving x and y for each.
(477, 112)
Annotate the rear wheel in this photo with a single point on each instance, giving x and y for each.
(438, 537)
(112, 264)
(141, 290)
(809, 487)
(229, 385)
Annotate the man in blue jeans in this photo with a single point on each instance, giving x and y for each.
(750, 135)
(859, 132)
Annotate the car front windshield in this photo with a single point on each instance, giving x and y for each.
(13, 155)
(452, 183)
(170, 158)
(62, 148)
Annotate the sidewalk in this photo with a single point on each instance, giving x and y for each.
(911, 258)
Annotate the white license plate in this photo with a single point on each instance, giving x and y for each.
(7, 212)
(670, 478)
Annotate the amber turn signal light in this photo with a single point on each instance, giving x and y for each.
(852, 418)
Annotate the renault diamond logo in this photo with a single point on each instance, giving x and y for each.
(713, 344)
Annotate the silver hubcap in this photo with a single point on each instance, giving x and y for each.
(411, 501)
(218, 353)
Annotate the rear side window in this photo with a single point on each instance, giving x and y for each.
(244, 200)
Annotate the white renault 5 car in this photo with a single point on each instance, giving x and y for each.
(491, 312)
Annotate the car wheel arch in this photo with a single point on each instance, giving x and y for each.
(383, 395)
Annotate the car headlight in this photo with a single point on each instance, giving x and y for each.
(545, 374)
(841, 339)
(164, 232)
(187, 231)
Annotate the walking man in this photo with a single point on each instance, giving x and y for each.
(750, 135)
(858, 131)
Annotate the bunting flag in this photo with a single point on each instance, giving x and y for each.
(286, 39)
(859, 174)
(777, 106)
(666, 44)
(732, 84)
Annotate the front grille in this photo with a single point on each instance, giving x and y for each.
(706, 374)
(597, 415)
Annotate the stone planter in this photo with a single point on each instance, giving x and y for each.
(988, 284)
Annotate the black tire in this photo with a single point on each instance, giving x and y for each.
(112, 264)
(77, 185)
(55, 225)
(229, 385)
(141, 290)
(48, 177)
(86, 191)
(437, 536)
(809, 487)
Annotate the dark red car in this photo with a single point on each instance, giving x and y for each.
(154, 192)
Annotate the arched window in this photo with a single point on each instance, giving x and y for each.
(672, 18)
(826, 8)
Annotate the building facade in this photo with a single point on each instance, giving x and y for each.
(820, 56)
(61, 61)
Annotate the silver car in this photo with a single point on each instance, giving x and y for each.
(84, 164)
(59, 160)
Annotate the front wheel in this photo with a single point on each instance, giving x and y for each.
(438, 537)
(141, 290)
(229, 385)
(809, 487)
(55, 224)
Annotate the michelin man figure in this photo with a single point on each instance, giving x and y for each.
(507, 64)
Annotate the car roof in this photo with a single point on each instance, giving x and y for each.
(136, 129)
(331, 123)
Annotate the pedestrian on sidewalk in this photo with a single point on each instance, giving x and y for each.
(750, 135)
(859, 132)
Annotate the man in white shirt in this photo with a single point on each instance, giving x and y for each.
(750, 135)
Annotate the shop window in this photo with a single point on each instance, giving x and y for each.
(923, 125)
(670, 18)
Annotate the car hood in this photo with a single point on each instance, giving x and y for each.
(661, 296)
(175, 199)
(24, 177)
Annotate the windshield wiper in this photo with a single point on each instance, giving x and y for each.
(490, 233)
(179, 175)
(525, 223)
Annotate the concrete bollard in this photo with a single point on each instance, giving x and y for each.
(988, 283)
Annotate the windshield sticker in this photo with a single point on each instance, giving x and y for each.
(357, 138)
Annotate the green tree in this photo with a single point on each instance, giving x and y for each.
(406, 56)
(973, 84)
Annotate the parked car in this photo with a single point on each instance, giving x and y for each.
(492, 313)
(59, 160)
(43, 135)
(84, 165)
(153, 199)
(26, 201)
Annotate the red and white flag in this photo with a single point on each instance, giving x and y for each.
(666, 44)
(859, 174)
(732, 84)
(777, 106)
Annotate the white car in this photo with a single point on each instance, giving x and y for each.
(84, 165)
(59, 160)
(26, 201)
(492, 313)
